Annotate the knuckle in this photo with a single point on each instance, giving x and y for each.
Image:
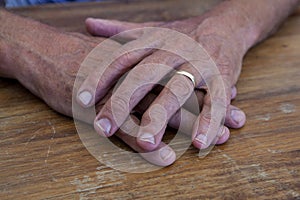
(146, 119)
(101, 83)
(136, 75)
(122, 63)
(206, 118)
(207, 100)
(126, 58)
(220, 99)
(119, 106)
(152, 72)
(129, 127)
(204, 123)
(131, 57)
(170, 100)
(181, 88)
(225, 65)
(158, 111)
(156, 116)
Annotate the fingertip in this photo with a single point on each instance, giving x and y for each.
(147, 143)
(84, 98)
(238, 118)
(95, 26)
(200, 141)
(102, 27)
(89, 20)
(103, 127)
(233, 92)
(224, 137)
(163, 157)
(89, 23)
(167, 155)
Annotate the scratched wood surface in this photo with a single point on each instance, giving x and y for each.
(42, 157)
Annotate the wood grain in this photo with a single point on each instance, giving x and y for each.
(42, 157)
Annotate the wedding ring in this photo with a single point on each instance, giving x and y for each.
(189, 75)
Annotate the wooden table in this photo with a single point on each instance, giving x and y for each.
(42, 157)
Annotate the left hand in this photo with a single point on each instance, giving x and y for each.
(227, 56)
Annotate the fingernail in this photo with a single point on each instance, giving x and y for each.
(202, 139)
(105, 125)
(85, 97)
(233, 92)
(237, 116)
(147, 137)
(165, 153)
(222, 132)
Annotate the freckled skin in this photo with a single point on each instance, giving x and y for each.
(226, 32)
(46, 60)
(43, 59)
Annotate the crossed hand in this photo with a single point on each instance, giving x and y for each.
(169, 105)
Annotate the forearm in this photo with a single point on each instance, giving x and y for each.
(44, 59)
(28, 43)
(245, 23)
(23, 42)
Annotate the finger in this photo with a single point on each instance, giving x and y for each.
(172, 97)
(108, 28)
(163, 155)
(122, 58)
(96, 85)
(185, 117)
(208, 123)
(233, 92)
(225, 134)
(132, 90)
(185, 120)
(221, 137)
(188, 106)
(235, 117)
(182, 118)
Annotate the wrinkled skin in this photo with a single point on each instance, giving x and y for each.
(48, 66)
(46, 62)
(227, 56)
(227, 32)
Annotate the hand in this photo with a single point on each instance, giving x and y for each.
(227, 56)
(46, 62)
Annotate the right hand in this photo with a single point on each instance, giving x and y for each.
(235, 117)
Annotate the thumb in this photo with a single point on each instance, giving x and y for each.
(108, 28)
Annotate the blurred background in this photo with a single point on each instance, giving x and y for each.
(22, 3)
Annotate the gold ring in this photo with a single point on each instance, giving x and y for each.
(189, 75)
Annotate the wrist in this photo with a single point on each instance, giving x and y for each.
(245, 23)
(225, 41)
(231, 30)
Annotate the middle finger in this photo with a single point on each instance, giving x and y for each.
(136, 85)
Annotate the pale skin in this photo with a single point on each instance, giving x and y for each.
(47, 66)
(227, 32)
